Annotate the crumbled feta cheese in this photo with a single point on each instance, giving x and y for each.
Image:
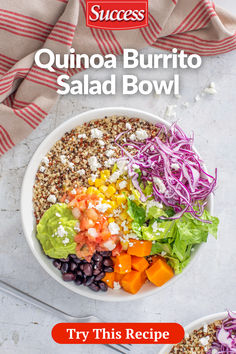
(154, 226)
(122, 184)
(211, 90)
(163, 253)
(152, 203)
(101, 142)
(141, 134)
(96, 133)
(92, 232)
(205, 328)
(110, 162)
(81, 172)
(77, 227)
(109, 153)
(160, 184)
(58, 215)
(66, 240)
(113, 228)
(175, 166)
(132, 137)
(128, 126)
(197, 98)
(170, 111)
(71, 165)
(63, 159)
(66, 201)
(83, 136)
(52, 199)
(61, 232)
(93, 163)
(122, 165)
(42, 169)
(102, 207)
(73, 191)
(204, 340)
(110, 245)
(45, 160)
(131, 197)
(214, 351)
(93, 177)
(116, 285)
(114, 177)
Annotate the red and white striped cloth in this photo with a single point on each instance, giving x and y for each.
(27, 93)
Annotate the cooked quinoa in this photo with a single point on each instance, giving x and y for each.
(199, 341)
(80, 154)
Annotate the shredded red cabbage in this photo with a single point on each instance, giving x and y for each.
(175, 169)
(226, 336)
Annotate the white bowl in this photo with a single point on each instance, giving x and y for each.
(28, 219)
(195, 325)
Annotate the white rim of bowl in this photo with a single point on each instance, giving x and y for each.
(195, 325)
(73, 122)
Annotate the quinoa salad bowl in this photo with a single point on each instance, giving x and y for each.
(116, 204)
(213, 334)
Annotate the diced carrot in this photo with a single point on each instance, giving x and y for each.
(139, 263)
(109, 279)
(133, 281)
(123, 263)
(139, 248)
(159, 272)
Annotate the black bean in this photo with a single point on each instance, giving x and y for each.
(94, 287)
(108, 262)
(57, 263)
(103, 286)
(88, 270)
(79, 273)
(68, 276)
(89, 281)
(97, 257)
(64, 268)
(108, 269)
(98, 264)
(106, 253)
(73, 266)
(100, 276)
(77, 260)
(73, 256)
(78, 280)
(96, 271)
(64, 259)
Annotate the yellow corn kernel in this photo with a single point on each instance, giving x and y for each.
(118, 183)
(110, 191)
(101, 195)
(99, 182)
(129, 219)
(125, 244)
(92, 190)
(123, 216)
(90, 182)
(103, 188)
(111, 220)
(126, 232)
(120, 199)
(112, 204)
(105, 174)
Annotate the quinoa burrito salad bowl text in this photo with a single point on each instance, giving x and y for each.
(116, 203)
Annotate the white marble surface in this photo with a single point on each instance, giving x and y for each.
(208, 287)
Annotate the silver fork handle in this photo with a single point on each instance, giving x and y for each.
(11, 290)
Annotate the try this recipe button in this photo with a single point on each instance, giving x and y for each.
(117, 333)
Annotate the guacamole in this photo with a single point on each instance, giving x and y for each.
(56, 231)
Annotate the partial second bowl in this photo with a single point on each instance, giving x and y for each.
(196, 325)
(27, 212)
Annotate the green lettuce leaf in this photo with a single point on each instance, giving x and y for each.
(136, 212)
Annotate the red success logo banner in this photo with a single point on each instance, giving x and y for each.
(117, 333)
(116, 15)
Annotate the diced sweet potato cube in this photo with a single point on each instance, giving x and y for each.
(109, 279)
(139, 248)
(139, 263)
(159, 272)
(123, 263)
(133, 281)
